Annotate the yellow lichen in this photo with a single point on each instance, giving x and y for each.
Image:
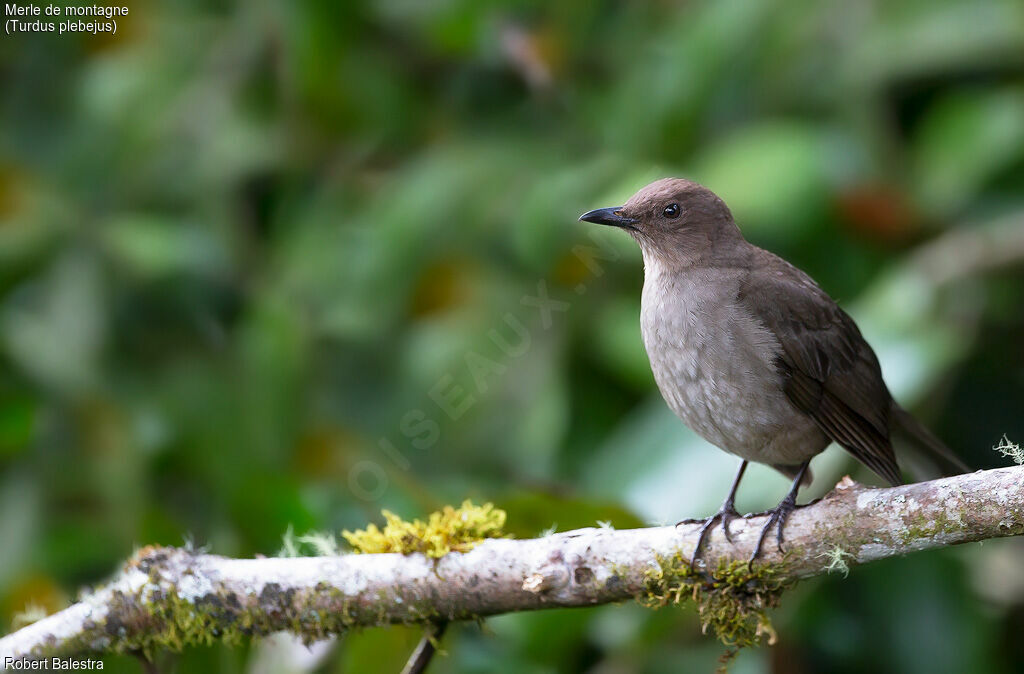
(450, 529)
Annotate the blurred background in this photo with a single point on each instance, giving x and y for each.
(277, 264)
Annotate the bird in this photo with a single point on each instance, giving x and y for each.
(752, 354)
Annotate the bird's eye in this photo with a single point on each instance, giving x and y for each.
(671, 211)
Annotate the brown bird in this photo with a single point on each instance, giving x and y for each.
(750, 353)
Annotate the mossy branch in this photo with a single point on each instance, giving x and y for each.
(166, 598)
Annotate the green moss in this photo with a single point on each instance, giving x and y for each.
(732, 601)
(157, 618)
(450, 529)
(167, 621)
(923, 526)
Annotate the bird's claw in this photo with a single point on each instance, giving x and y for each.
(724, 516)
(777, 517)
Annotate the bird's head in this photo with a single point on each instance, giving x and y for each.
(675, 221)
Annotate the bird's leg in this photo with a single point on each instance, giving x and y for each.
(780, 514)
(725, 514)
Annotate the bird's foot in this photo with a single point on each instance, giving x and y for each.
(724, 516)
(763, 513)
(777, 518)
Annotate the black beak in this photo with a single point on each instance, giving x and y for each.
(609, 216)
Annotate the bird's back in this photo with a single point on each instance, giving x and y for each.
(826, 368)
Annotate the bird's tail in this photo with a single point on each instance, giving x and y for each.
(931, 451)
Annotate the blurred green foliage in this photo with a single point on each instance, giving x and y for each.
(250, 252)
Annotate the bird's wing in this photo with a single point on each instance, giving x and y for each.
(828, 371)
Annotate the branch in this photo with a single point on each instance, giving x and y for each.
(168, 598)
(967, 251)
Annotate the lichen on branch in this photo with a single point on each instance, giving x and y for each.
(1010, 450)
(447, 530)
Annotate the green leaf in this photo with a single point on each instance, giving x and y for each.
(772, 175)
(964, 142)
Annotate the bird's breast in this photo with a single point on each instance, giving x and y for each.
(714, 362)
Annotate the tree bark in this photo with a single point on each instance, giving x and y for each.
(167, 597)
